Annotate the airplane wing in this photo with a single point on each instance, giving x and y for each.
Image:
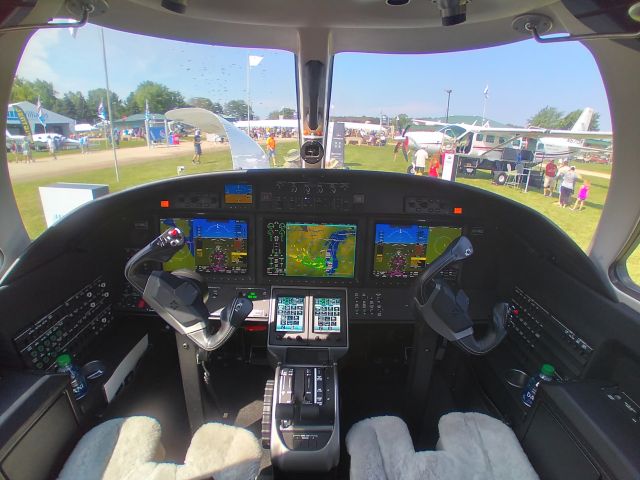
(429, 123)
(541, 132)
(245, 153)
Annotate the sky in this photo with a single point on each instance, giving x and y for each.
(522, 77)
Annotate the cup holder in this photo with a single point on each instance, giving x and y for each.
(516, 378)
(93, 369)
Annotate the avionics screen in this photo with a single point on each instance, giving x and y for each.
(238, 193)
(211, 246)
(403, 251)
(323, 250)
(326, 314)
(290, 314)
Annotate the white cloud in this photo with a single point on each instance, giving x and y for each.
(35, 59)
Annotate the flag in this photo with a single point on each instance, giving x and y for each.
(254, 60)
(486, 91)
(101, 111)
(41, 116)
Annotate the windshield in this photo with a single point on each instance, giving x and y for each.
(64, 126)
(459, 117)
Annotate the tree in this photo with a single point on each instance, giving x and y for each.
(217, 108)
(286, 112)
(30, 91)
(237, 109)
(548, 117)
(201, 102)
(97, 95)
(160, 98)
(403, 120)
(130, 106)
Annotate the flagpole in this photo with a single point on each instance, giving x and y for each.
(106, 78)
(248, 96)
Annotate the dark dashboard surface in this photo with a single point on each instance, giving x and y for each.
(248, 232)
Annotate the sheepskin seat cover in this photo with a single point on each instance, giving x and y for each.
(472, 446)
(130, 449)
(114, 448)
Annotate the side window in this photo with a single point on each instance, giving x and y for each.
(491, 139)
(501, 140)
(633, 265)
(479, 137)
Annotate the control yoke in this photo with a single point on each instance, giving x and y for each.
(447, 312)
(179, 297)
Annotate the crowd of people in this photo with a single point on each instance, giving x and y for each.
(564, 180)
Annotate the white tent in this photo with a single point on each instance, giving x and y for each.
(83, 127)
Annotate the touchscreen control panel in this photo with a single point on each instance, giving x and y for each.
(303, 317)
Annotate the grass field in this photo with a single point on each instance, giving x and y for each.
(95, 146)
(578, 225)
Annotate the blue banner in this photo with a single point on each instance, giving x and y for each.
(156, 134)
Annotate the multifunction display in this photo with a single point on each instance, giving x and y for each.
(403, 251)
(322, 250)
(211, 246)
(326, 314)
(290, 314)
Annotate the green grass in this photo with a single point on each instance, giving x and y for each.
(580, 226)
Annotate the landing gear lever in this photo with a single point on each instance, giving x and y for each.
(447, 313)
(179, 297)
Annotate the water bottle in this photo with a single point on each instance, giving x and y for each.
(545, 375)
(78, 382)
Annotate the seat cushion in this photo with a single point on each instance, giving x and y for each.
(381, 449)
(111, 450)
(485, 446)
(472, 446)
(221, 451)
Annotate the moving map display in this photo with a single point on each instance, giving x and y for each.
(310, 249)
(211, 246)
(403, 251)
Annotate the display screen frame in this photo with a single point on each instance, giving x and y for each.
(181, 214)
(400, 221)
(266, 246)
(302, 319)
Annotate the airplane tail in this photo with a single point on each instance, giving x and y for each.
(582, 125)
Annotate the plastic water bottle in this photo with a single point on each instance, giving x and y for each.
(78, 382)
(545, 375)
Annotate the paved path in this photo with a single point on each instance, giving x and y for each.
(591, 173)
(46, 167)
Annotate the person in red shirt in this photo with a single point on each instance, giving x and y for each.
(550, 173)
(434, 165)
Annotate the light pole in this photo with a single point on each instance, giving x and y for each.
(449, 91)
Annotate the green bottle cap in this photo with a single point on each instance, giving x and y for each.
(63, 360)
(548, 370)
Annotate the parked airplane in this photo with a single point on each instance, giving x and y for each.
(490, 141)
(41, 141)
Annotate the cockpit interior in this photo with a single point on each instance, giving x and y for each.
(325, 323)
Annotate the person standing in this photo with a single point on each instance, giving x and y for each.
(567, 186)
(550, 172)
(26, 150)
(583, 193)
(271, 148)
(434, 165)
(51, 142)
(197, 146)
(421, 161)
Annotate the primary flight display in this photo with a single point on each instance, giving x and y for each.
(323, 250)
(403, 251)
(211, 246)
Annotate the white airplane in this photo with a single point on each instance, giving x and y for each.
(489, 141)
(10, 138)
(41, 140)
(291, 123)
